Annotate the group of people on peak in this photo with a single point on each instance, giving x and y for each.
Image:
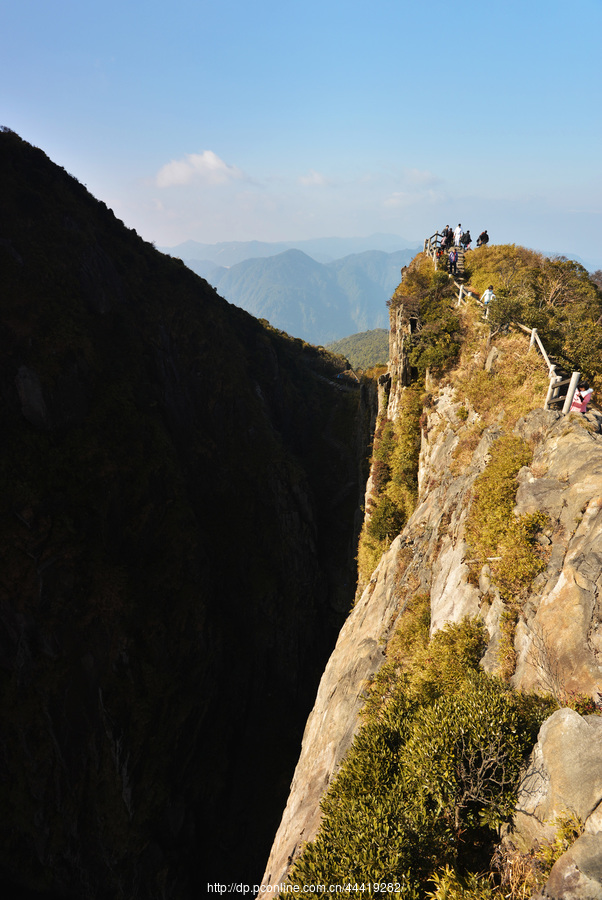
(459, 238)
(451, 240)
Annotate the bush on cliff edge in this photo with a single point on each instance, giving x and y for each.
(432, 772)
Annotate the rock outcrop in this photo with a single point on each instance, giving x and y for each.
(558, 634)
(577, 875)
(564, 777)
(559, 640)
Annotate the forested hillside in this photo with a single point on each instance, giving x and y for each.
(365, 350)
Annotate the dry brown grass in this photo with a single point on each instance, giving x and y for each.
(518, 383)
(465, 448)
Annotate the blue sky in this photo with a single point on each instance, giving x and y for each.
(232, 120)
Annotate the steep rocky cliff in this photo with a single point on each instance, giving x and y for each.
(178, 515)
(555, 642)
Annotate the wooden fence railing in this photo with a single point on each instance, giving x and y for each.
(432, 244)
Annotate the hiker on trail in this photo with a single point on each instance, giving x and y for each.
(486, 299)
(482, 239)
(458, 235)
(580, 399)
(453, 261)
(466, 240)
(446, 237)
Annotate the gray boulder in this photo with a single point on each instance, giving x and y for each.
(564, 776)
(577, 875)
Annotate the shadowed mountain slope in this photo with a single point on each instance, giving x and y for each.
(178, 488)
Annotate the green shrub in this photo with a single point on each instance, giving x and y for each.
(432, 772)
(448, 885)
(395, 482)
(465, 752)
(387, 520)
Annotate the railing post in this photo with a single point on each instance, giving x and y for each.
(571, 392)
(554, 378)
(533, 337)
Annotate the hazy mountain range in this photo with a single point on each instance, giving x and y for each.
(228, 253)
(299, 293)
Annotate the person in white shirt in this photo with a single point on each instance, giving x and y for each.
(457, 235)
(486, 299)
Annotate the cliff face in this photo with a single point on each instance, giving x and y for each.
(557, 638)
(179, 486)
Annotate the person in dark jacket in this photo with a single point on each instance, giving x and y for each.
(453, 261)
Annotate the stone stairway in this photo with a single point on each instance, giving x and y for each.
(443, 262)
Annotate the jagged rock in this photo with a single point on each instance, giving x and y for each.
(456, 598)
(560, 643)
(492, 356)
(564, 480)
(413, 563)
(564, 776)
(577, 875)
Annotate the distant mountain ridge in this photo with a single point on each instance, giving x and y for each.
(228, 253)
(319, 302)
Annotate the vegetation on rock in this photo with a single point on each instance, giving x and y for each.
(417, 804)
(555, 295)
(436, 344)
(395, 453)
(432, 772)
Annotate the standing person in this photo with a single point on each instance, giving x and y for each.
(482, 239)
(458, 235)
(466, 240)
(486, 299)
(453, 261)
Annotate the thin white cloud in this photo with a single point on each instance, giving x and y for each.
(205, 167)
(313, 179)
(421, 177)
(399, 198)
(402, 199)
